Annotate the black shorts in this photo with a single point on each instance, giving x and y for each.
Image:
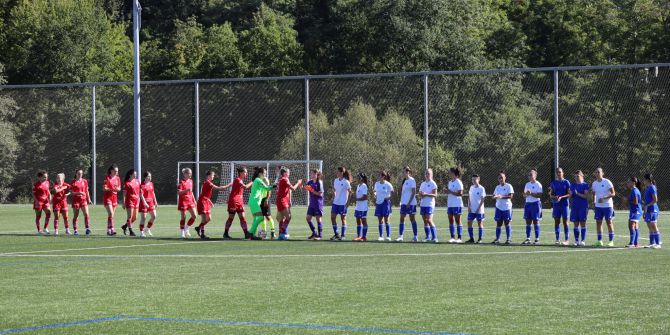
(265, 207)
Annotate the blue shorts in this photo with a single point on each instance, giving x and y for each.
(383, 209)
(315, 211)
(650, 217)
(408, 209)
(579, 214)
(475, 216)
(634, 216)
(454, 210)
(560, 211)
(427, 210)
(606, 213)
(501, 215)
(532, 211)
(360, 214)
(338, 209)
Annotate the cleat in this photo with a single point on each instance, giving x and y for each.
(55, 231)
(380, 239)
(45, 231)
(400, 239)
(142, 234)
(124, 227)
(335, 237)
(610, 244)
(508, 242)
(598, 244)
(203, 236)
(272, 235)
(197, 231)
(576, 244)
(495, 241)
(255, 238)
(67, 231)
(388, 239)
(470, 241)
(183, 233)
(537, 241)
(526, 242)
(557, 242)
(656, 246)
(582, 244)
(629, 246)
(435, 241)
(131, 232)
(566, 242)
(459, 241)
(478, 241)
(149, 234)
(318, 238)
(358, 239)
(226, 236)
(282, 237)
(312, 237)
(188, 232)
(76, 233)
(428, 240)
(415, 239)
(452, 240)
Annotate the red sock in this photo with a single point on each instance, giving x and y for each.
(151, 224)
(110, 223)
(67, 224)
(129, 223)
(55, 223)
(191, 221)
(203, 224)
(46, 220)
(181, 223)
(38, 217)
(229, 223)
(86, 223)
(243, 223)
(74, 224)
(141, 226)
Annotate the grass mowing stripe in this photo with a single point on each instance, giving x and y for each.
(101, 248)
(64, 324)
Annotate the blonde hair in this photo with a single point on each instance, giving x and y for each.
(185, 170)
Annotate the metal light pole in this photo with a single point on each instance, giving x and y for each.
(136, 88)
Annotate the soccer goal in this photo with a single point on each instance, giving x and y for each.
(226, 173)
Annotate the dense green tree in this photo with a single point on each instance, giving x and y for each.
(9, 147)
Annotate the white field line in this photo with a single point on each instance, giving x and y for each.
(103, 248)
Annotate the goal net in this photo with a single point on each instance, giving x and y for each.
(226, 173)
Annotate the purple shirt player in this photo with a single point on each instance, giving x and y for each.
(315, 200)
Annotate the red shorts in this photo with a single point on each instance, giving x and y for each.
(235, 208)
(282, 206)
(151, 207)
(204, 206)
(41, 205)
(60, 206)
(79, 203)
(184, 206)
(110, 199)
(130, 203)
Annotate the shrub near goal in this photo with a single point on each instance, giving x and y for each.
(226, 172)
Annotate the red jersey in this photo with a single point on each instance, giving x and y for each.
(283, 191)
(186, 198)
(60, 196)
(132, 188)
(236, 192)
(41, 191)
(206, 192)
(80, 185)
(112, 183)
(148, 192)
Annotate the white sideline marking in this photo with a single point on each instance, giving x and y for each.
(102, 248)
(486, 253)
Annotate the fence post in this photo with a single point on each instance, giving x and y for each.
(425, 120)
(307, 132)
(196, 134)
(556, 143)
(94, 163)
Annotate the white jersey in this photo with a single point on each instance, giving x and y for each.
(454, 200)
(602, 189)
(504, 190)
(382, 191)
(476, 196)
(428, 187)
(535, 187)
(361, 190)
(406, 197)
(342, 187)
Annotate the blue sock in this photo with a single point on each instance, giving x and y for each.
(508, 232)
(498, 231)
(415, 228)
(459, 230)
(637, 234)
(433, 231)
(319, 228)
(401, 229)
(311, 227)
(537, 231)
(583, 234)
(632, 235)
(381, 230)
(388, 230)
(610, 236)
(652, 238)
(576, 233)
(528, 228)
(471, 233)
(600, 236)
(452, 230)
(481, 232)
(426, 229)
(344, 230)
(567, 232)
(359, 230)
(335, 228)
(365, 231)
(557, 231)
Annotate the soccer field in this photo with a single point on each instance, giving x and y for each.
(165, 285)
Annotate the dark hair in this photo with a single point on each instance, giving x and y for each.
(456, 171)
(283, 170)
(209, 173)
(559, 169)
(502, 172)
(345, 173)
(475, 176)
(318, 173)
(650, 178)
(111, 168)
(637, 182)
(128, 175)
(41, 173)
(579, 172)
(146, 174)
(77, 171)
(363, 177)
(386, 175)
(257, 171)
(241, 169)
(533, 170)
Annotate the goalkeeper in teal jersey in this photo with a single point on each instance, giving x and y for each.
(265, 210)
(259, 191)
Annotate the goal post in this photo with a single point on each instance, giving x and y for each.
(226, 173)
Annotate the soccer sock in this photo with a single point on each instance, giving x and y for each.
(528, 231)
(557, 232)
(631, 231)
(254, 225)
(471, 233)
(537, 231)
(611, 236)
(381, 230)
(87, 223)
(272, 223)
(55, 223)
(110, 223)
(151, 224)
(576, 233)
(637, 235)
(498, 232)
(459, 231)
(426, 229)
(344, 230)
(401, 228)
(46, 220)
(433, 232)
(652, 238)
(452, 230)
(566, 230)
(359, 230)
(481, 232)
(415, 228)
(66, 223)
(335, 228)
(128, 223)
(311, 227)
(182, 223)
(38, 217)
(583, 234)
(74, 224)
(189, 223)
(600, 236)
(365, 230)
(388, 230)
(508, 231)
(319, 228)
(229, 223)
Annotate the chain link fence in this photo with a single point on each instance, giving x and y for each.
(482, 121)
